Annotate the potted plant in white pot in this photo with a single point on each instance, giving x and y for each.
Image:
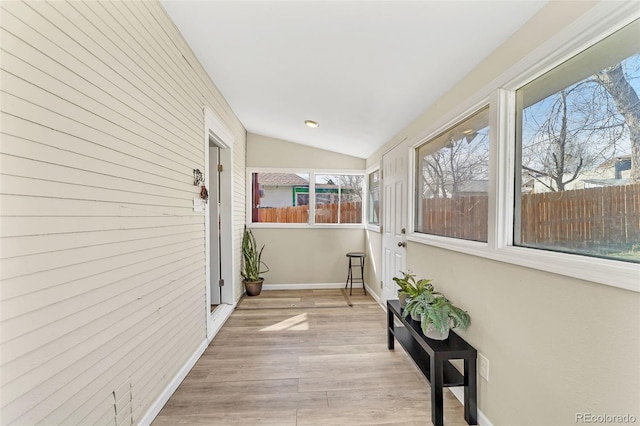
(252, 264)
(437, 314)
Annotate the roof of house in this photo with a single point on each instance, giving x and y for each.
(281, 179)
(473, 186)
(607, 182)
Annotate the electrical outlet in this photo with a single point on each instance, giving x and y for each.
(483, 366)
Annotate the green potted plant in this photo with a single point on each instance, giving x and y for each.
(252, 264)
(437, 314)
(410, 288)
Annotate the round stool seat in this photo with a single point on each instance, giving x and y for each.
(356, 254)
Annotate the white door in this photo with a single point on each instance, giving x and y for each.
(394, 217)
(214, 223)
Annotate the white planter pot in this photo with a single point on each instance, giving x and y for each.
(434, 334)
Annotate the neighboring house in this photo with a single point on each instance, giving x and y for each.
(614, 172)
(473, 187)
(465, 188)
(283, 190)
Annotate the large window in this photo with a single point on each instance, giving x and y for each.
(306, 197)
(280, 197)
(578, 161)
(452, 179)
(373, 209)
(338, 198)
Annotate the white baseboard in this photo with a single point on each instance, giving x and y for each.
(172, 386)
(375, 296)
(458, 392)
(310, 286)
(218, 318)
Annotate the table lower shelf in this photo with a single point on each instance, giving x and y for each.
(451, 376)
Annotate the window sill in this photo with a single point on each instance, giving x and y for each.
(614, 273)
(373, 228)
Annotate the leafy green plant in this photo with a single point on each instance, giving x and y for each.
(436, 309)
(252, 263)
(412, 288)
(431, 306)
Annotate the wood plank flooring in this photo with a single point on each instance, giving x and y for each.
(304, 358)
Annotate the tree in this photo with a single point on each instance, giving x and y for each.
(626, 99)
(581, 127)
(462, 160)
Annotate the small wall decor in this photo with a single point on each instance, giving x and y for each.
(198, 177)
(204, 194)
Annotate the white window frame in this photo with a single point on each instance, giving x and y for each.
(500, 95)
(466, 246)
(372, 169)
(312, 196)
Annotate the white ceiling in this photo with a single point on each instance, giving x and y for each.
(362, 69)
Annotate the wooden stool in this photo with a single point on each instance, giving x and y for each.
(360, 257)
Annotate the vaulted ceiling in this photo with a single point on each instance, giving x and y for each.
(362, 69)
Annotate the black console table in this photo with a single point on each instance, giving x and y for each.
(432, 357)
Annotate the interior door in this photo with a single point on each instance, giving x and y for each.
(394, 217)
(214, 221)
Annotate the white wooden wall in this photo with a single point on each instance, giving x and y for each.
(102, 256)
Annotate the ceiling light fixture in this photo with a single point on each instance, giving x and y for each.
(311, 123)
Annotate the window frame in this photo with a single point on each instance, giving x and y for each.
(312, 196)
(471, 112)
(500, 96)
(372, 169)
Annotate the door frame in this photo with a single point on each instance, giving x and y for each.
(216, 133)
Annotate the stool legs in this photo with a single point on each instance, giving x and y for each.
(350, 276)
(362, 274)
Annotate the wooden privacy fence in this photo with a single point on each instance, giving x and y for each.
(325, 213)
(349, 212)
(460, 217)
(294, 214)
(606, 216)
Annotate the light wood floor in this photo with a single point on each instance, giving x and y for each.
(304, 358)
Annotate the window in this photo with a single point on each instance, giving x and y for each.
(280, 197)
(338, 198)
(306, 198)
(564, 191)
(452, 181)
(578, 157)
(373, 206)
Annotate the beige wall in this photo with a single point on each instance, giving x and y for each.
(557, 346)
(102, 257)
(263, 151)
(373, 264)
(307, 255)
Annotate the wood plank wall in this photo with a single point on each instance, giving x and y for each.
(102, 257)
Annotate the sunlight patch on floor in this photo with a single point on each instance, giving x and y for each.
(296, 323)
